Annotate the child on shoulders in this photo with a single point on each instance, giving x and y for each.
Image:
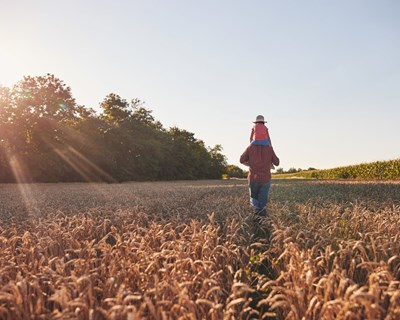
(259, 133)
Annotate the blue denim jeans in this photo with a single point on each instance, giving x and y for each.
(259, 196)
(265, 142)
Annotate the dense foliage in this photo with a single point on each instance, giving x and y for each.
(45, 136)
(232, 171)
(292, 170)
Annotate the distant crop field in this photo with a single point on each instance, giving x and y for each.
(192, 250)
(378, 170)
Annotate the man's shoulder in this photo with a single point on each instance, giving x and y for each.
(259, 147)
(252, 148)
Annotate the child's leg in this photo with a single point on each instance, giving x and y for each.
(261, 142)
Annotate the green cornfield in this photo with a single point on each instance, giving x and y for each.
(382, 170)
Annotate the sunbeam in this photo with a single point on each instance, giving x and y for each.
(23, 180)
(88, 170)
(83, 166)
(93, 166)
(22, 177)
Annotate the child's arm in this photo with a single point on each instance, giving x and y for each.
(269, 137)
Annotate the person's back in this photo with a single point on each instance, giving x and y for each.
(259, 159)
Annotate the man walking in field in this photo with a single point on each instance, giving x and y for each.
(259, 160)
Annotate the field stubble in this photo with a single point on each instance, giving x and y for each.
(192, 250)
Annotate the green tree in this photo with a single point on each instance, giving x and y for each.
(180, 158)
(87, 152)
(42, 97)
(115, 109)
(37, 109)
(5, 134)
(134, 139)
(279, 171)
(5, 105)
(53, 139)
(143, 115)
(233, 171)
(218, 162)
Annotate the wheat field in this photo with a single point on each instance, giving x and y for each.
(193, 250)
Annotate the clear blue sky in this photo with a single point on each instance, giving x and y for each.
(325, 74)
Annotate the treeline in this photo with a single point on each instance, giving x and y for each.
(45, 136)
(292, 170)
(380, 170)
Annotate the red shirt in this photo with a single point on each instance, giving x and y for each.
(259, 132)
(259, 159)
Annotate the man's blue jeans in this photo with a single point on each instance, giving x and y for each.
(259, 196)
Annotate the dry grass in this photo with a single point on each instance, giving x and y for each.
(191, 250)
